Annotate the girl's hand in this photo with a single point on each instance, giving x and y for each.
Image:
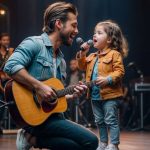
(85, 50)
(102, 81)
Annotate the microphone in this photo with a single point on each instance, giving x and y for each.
(131, 64)
(7, 48)
(135, 67)
(80, 42)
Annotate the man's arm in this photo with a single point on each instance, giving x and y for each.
(19, 60)
(21, 57)
(44, 91)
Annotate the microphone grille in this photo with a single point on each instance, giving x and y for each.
(79, 40)
(90, 42)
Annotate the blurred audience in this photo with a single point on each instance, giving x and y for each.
(5, 52)
(73, 78)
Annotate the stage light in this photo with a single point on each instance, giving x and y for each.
(2, 12)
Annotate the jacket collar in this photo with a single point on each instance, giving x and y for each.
(46, 39)
(104, 53)
(47, 42)
(94, 55)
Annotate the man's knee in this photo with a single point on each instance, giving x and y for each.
(93, 143)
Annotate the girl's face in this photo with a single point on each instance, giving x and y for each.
(100, 38)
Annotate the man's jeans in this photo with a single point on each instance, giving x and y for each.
(106, 117)
(58, 133)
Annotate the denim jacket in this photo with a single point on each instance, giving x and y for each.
(35, 54)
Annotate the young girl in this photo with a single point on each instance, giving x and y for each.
(106, 68)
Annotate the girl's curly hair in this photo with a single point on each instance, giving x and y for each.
(118, 41)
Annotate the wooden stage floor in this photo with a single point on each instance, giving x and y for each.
(129, 140)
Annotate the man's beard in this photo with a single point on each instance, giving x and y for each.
(65, 39)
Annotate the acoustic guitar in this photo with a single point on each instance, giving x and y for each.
(24, 104)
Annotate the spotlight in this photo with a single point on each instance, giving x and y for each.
(2, 12)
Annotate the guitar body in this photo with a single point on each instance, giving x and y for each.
(25, 110)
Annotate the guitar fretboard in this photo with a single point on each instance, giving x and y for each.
(70, 89)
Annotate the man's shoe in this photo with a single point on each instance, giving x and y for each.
(102, 146)
(21, 142)
(112, 147)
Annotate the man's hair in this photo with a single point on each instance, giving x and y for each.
(3, 34)
(58, 10)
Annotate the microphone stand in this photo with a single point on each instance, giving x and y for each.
(5, 104)
(141, 103)
(79, 114)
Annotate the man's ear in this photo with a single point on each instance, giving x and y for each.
(58, 24)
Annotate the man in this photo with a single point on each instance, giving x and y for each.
(39, 58)
(5, 52)
(74, 74)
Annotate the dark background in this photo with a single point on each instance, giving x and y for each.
(133, 16)
(25, 18)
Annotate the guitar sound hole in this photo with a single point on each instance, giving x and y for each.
(53, 100)
(49, 106)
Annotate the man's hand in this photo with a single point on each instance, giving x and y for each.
(79, 89)
(45, 93)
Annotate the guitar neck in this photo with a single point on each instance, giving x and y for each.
(70, 89)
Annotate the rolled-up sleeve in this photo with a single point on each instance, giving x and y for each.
(22, 56)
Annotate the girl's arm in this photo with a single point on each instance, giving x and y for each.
(118, 68)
